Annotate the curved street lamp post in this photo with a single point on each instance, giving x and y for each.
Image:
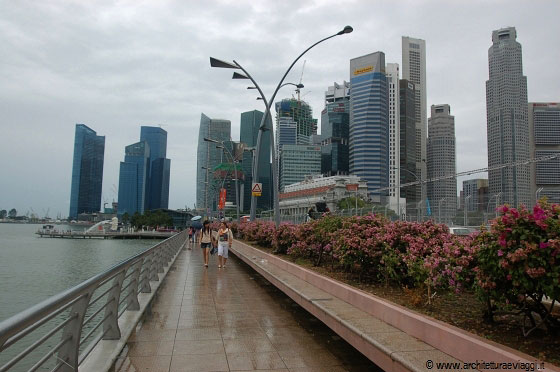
(268, 103)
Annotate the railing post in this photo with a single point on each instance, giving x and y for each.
(153, 267)
(159, 261)
(132, 303)
(111, 323)
(145, 278)
(72, 332)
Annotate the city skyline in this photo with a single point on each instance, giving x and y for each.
(126, 76)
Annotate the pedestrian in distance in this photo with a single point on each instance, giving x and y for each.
(225, 240)
(191, 237)
(206, 241)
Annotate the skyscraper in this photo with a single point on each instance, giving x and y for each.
(87, 171)
(209, 156)
(302, 114)
(544, 130)
(133, 178)
(408, 145)
(369, 123)
(414, 70)
(157, 186)
(475, 194)
(250, 123)
(298, 161)
(442, 194)
(508, 127)
(335, 127)
(394, 137)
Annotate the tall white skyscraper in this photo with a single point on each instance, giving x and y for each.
(442, 194)
(414, 70)
(392, 71)
(507, 120)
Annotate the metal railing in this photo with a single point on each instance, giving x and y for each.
(60, 332)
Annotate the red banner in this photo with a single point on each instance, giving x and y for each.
(222, 202)
(352, 187)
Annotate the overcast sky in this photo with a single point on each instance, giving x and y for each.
(115, 66)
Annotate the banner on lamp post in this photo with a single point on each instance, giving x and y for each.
(222, 202)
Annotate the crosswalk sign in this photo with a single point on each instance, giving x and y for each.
(256, 189)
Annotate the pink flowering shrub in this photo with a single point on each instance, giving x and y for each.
(284, 237)
(518, 261)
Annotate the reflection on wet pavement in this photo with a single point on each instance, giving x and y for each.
(231, 319)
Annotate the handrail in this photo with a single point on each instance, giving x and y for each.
(76, 305)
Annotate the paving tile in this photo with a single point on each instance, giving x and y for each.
(248, 345)
(243, 332)
(319, 358)
(198, 347)
(143, 364)
(193, 334)
(199, 363)
(255, 361)
(150, 348)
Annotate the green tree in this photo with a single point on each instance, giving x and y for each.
(3, 213)
(12, 213)
(125, 217)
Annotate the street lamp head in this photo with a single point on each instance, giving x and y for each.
(299, 86)
(221, 64)
(237, 75)
(258, 98)
(345, 30)
(211, 140)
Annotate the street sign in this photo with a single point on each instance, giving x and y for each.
(256, 189)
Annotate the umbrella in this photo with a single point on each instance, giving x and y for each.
(196, 218)
(196, 224)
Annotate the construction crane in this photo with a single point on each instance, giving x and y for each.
(300, 80)
(46, 213)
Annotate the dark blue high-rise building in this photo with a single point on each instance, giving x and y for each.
(369, 123)
(157, 185)
(87, 171)
(133, 177)
(335, 122)
(250, 123)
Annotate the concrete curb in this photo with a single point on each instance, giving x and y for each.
(451, 340)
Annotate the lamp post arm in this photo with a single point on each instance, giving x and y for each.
(294, 62)
(256, 157)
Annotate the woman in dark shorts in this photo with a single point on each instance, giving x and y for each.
(206, 241)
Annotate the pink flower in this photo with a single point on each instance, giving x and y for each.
(543, 245)
(500, 253)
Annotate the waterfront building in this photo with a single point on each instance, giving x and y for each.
(507, 120)
(299, 197)
(298, 161)
(159, 168)
(414, 70)
(474, 196)
(394, 139)
(133, 178)
(87, 171)
(408, 145)
(335, 127)
(250, 123)
(209, 156)
(369, 123)
(544, 139)
(442, 194)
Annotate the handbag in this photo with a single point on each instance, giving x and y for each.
(213, 250)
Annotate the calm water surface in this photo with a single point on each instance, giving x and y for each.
(33, 269)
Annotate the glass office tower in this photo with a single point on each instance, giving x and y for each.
(250, 123)
(87, 171)
(369, 123)
(133, 176)
(157, 186)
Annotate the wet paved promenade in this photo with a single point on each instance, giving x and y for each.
(210, 319)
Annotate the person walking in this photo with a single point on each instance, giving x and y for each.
(206, 240)
(225, 240)
(191, 233)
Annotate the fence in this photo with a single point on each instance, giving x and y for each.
(60, 332)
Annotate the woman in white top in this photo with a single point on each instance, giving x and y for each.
(225, 240)
(206, 241)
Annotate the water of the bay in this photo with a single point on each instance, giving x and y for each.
(33, 268)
